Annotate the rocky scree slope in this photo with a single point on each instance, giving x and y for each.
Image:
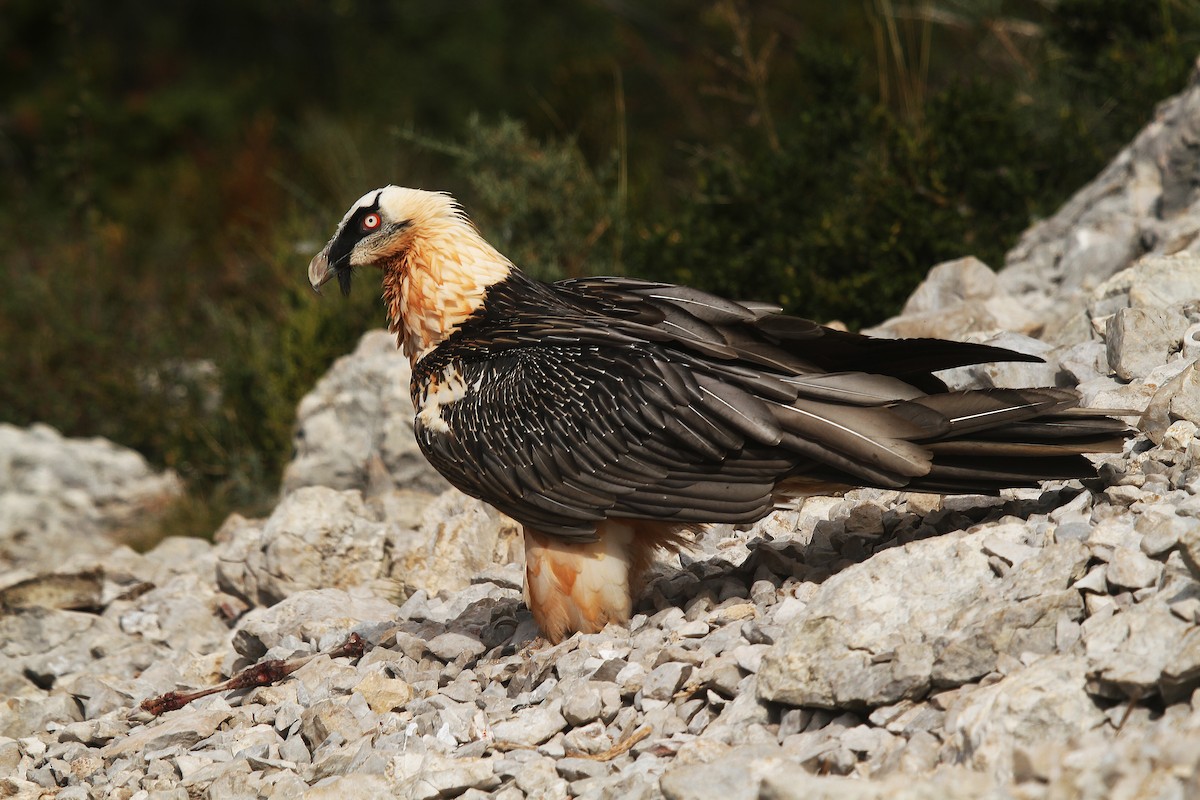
(1044, 643)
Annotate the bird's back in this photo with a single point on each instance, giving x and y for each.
(566, 404)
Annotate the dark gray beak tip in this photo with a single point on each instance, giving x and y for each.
(319, 271)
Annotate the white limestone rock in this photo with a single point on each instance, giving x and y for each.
(355, 427)
(958, 298)
(318, 537)
(65, 499)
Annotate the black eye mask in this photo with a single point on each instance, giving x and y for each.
(350, 234)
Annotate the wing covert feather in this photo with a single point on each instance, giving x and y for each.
(559, 437)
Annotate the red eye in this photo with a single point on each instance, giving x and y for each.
(371, 222)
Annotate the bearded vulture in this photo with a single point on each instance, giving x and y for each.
(610, 417)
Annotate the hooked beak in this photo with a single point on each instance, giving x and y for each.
(319, 271)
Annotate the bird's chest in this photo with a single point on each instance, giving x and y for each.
(436, 392)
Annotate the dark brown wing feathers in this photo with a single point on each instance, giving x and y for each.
(621, 398)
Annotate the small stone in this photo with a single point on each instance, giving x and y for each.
(1187, 609)
(1094, 581)
(1175, 399)
(464, 688)
(540, 779)
(1084, 361)
(33, 747)
(668, 619)
(1128, 650)
(532, 725)
(694, 656)
(590, 738)
(922, 504)
(554, 748)
(788, 609)
(756, 632)
(763, 592)
(863, 738)
(182, 728)
(735, 775)
(383, 694)
(721, 674)
(1185, 404)
(691, 630)
(452, 646)
(574, 769)
(665, 680)
(42, 776)
(1181, 675)
(1097, 604)
(1139, 339)
(1067, 633)
(1125, 495)
(293, 749)
(1161, 531)
(631, 678)
(749, 656)
(95, 732)
(584, 704)
(1132, 569)
(1117, 531)
(10, 756)
(1179, 435)
(1189, 542)
(1191, 343)
(425, 776)
(1072, 531)
(733, 613)
(865, 518)
(329, 717)
(884, 717)
(190, 765)
(610, 670)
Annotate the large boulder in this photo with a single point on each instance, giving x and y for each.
(957, 298)
(63, 497)
(389, 546)
(354, 429)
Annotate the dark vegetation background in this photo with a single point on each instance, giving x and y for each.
(169, 169)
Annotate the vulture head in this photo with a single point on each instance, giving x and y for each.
(436, 268)
(381, 226)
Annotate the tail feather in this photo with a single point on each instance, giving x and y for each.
(1071, 429)
(994, 449)
(983, 409)
(973, 475)
(975, 441)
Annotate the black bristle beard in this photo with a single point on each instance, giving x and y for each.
(343, 279)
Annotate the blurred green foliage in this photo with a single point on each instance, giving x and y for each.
(541, 203)
(171, 168)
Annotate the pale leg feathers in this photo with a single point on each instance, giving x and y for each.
(572, 586)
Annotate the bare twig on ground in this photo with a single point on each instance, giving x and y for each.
(262, 674)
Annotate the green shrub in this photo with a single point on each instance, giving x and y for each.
(854, 209)
(1110, 61)
(540, 203)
